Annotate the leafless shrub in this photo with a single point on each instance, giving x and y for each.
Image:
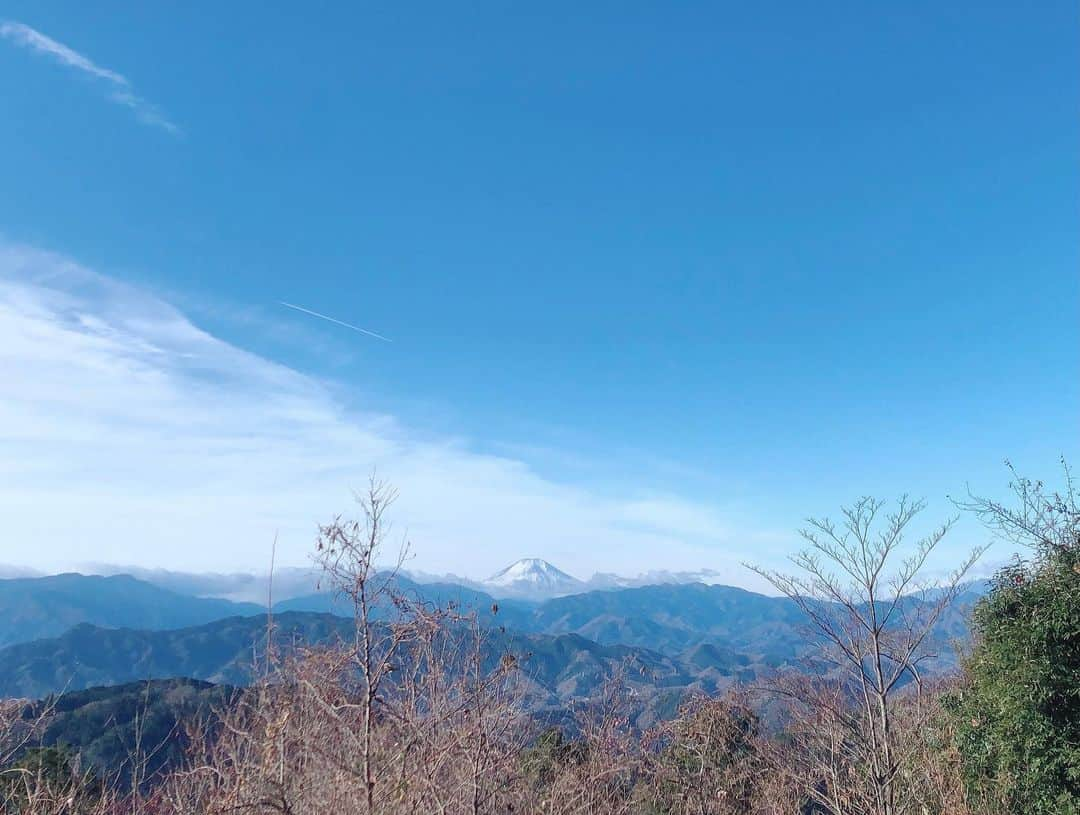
(1039, 518)
(712, 759)
(873, 618)
(413, 714)
(597, 770)
(930, 774)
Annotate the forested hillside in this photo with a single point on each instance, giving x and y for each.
(36, 607)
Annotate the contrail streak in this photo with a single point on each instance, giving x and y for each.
(332, 320)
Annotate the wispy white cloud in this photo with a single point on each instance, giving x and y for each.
(130, 435)
(121, 90)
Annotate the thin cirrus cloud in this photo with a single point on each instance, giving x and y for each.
(130, 435)
(121, 91)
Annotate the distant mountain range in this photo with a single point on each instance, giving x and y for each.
(293, 582)
(667, 618)
(73, 631)
(241, 587)
(537, 580)
(559, 670)
(35, 607)
(224, 651)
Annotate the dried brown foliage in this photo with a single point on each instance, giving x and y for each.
(417, 711)
(873, 616)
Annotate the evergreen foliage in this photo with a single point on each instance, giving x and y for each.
(1018, 716)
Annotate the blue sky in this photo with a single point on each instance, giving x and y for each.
(697, 271)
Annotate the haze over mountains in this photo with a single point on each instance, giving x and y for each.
(71, 631)
(535, 578)
(529, 578)
(532, 593)
(36, 607)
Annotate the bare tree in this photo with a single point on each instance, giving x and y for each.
(414, 712)
(1042, 519)
(348, 552)
(872, 617)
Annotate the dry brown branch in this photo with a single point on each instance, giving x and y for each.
(873, 619)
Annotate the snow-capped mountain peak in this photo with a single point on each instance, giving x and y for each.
(533, 576)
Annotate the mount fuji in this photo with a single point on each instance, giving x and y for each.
(532, 578)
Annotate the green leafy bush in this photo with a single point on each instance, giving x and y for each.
(1018, 717)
